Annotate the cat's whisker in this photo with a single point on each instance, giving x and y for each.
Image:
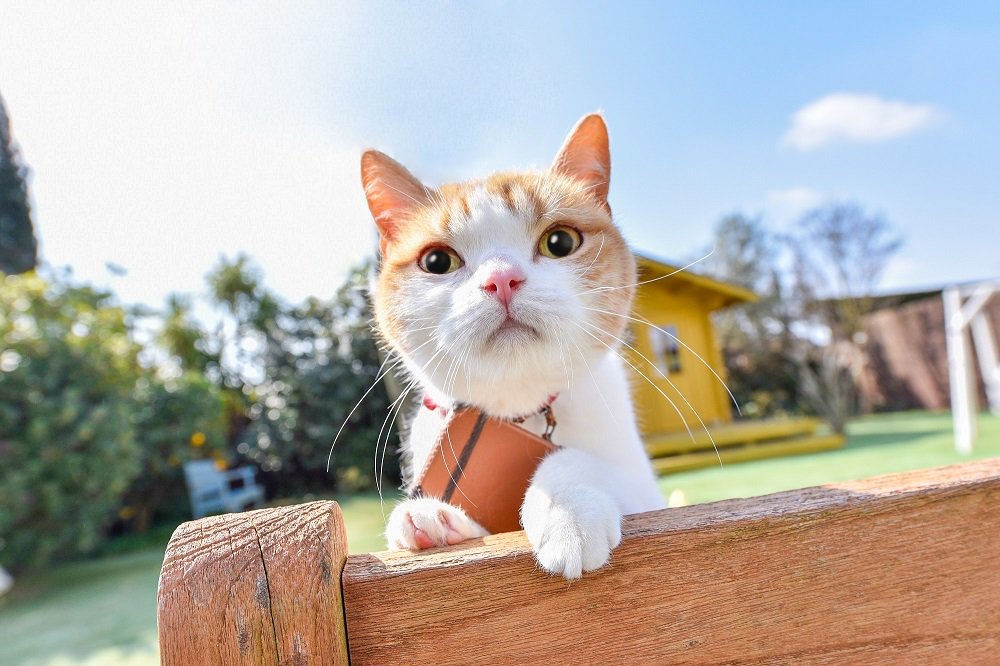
(553, 331)
(643, 375)
(393, 411)
(597, 384)
(681, 343)
(448, 391)
(596, 257)
(672, 385)
(405, 194)
(662, 277)
(400, 399)
(380, 377)
(446, 354)
(400, 402)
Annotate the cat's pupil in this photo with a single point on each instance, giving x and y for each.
(437, 261)
(559, 243)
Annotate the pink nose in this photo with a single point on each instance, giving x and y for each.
(503, 283)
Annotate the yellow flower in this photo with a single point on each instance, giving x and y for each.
(174, 461)
(198, 439)
(220, 464)
(126, 512)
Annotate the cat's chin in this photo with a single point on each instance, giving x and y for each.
(511, 332)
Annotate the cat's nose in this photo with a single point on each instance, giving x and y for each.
(502, 284)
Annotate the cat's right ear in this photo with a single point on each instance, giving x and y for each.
(585, 157)
(392, 192)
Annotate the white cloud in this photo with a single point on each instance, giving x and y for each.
(856, 118)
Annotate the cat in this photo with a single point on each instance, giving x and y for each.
(501, 293)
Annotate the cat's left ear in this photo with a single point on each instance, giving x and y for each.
(392, 192)
(585, 156)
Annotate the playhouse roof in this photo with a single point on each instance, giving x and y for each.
(727, 292)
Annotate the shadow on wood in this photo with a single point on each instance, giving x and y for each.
(897, 569)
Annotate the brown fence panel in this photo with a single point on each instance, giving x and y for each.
(897, 569)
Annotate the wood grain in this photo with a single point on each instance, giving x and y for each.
(260, 587)
(898, 569)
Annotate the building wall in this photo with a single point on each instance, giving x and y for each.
(689, 384)
(907, 357)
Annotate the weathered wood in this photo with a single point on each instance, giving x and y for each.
(261, 587)
(897, 569)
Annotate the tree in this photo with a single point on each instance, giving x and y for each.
(319, 359)
(18, 248)
(302, 368)
(68, 371)
(754, 336)
(176, 419)
(840, 253)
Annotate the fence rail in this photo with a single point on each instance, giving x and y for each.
(896, 569)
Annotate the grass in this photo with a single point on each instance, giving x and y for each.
(878, 444)
(103, 611)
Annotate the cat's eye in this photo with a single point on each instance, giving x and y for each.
(440, 260)
(559, 242)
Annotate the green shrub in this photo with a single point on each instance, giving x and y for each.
(68, 370)
(176, 420)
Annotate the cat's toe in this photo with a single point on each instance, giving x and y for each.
(427, 523)
(572, 535)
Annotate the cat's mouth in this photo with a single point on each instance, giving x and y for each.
(511, 328)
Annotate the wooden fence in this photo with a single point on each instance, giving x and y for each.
(897, 569)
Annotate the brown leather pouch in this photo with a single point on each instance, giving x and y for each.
(484, 466)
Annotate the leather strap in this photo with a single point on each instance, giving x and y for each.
(463, 458)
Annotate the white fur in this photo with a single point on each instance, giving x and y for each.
(573, 508)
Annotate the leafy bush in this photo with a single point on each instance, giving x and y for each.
(176, 420)
(318, 360)
(67, 373)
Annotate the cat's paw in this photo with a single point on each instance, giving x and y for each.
(572, 532)
(425, 523)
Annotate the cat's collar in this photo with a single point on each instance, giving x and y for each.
(431, 404)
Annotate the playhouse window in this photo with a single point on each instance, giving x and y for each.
(666, 349)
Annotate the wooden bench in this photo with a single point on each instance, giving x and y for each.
(897, 569)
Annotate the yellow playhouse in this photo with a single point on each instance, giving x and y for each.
(689, 372)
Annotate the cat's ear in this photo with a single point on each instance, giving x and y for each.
(392, 192)
(585, 156)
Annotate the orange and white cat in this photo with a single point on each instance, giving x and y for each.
(500, 293)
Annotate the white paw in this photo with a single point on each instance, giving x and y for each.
(573, 532)
(425, 523)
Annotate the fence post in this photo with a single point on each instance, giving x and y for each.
(261, 587)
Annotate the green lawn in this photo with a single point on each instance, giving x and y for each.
(879, 444)
(102, 612)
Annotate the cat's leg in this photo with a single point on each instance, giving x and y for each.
(421, 523)
(573, 510)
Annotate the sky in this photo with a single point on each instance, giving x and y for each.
(161, 138)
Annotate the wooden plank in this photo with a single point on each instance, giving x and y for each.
(304, 549)
(212, 602)
(757, 451)
(898, 569)
(728, 434)
(260, 587)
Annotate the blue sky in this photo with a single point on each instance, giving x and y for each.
(160, 140)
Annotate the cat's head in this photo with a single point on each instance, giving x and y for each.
(499, 292)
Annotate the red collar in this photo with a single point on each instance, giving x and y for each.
(444, 411)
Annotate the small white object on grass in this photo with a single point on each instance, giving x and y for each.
(6, 581)
(677, 498)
